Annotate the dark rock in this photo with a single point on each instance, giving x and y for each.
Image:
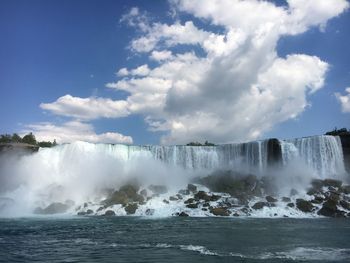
(305, 206)
(100, 209)
(332, 182)
(173, 198)
(85, 205)
(345, 189)
(184, 192)
(333, 196)
(149, 212)
(204, 209)
(291, 205)
(143, 192)
(165, 201)
(158, 189)
(344, 204)
(183, 214)
(206, 205)
(214, 197)
(192, 206)
(89, 212)
(201, 195)
(189, 201)
(81, 213)
(260, 205)
(126, 194)
(236, 214)
(220, 211)
(192, 188)
(317, 184)
(317, 200)
(286, 199)
(179, 196)
(54, 208)
(109, 213)
(246, 210)
(130, 209)
(329, 208)
(270, 199)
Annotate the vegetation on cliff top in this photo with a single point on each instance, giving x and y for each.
(339, 132)
(28, 138)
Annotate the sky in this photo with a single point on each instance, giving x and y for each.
(171, 72)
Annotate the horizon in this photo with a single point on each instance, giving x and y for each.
(172, 72)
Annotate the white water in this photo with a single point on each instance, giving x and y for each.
(82, 171)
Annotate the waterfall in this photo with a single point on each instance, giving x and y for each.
(323, 154)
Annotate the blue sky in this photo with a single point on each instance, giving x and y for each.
(194, 71)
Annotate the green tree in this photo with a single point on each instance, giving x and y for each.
(5, 138)
(29, 138)
(16, 138)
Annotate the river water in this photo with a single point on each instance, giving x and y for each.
(174, 239)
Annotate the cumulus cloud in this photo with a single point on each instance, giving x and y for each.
(74, 131)
(236, 88)
(87, 108)
(344, 100)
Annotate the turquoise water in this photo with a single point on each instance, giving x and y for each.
(135, 239)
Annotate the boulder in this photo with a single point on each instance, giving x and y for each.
(201, 195)
(305, 206)
(183, 214)
(81, 213)
(192, 188)
(329, 208)
(179, 196)
(317, 200)
(270, 199)
(109, 213)
(345, 189)
(158, 189)
(89, 212)
(291, 205)
(192, 206)
(189, 201)
(130, 209)
(345, 204)
(286, 199)
(220, 211)
(173, 198)
(165, 201)
(126, 194)
(332, 182)
(149, 212)
(184, 192)
(260, 205)
(214, 197)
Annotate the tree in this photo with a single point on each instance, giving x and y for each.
(29, 138)
(16, 138)
(5, 138)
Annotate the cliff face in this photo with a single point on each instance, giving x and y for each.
(274, 156)
(345, 142)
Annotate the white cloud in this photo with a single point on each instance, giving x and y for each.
(122, 72)
(344, 100)
(87, 108)
(161, 55)
(74, 131)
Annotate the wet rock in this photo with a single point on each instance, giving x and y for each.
(332, 196)
(260, 205)
(201, 195)
(183, 214)
(54, 208)
(192, 188)
(345, 189)
(130, 209)
(179, 196)
(270, 199)
(204, 209)
(246, 210)
(89, 212)
(317, 184)
(173, 198)
(109, 213)
(165, 201)
(189, 201)
(100, 209)
(158, 189)
(344, 204)
(143, 192)
(81, 213)
(332, 182)
(220, 211)
(236, 214)
(149, 212)
(184, 192)
(206, 205)
(214, 198)
(317, 200)
(329, 208)
(126, 194)
(192, 206)
(291, 205)
(286, 199)
(305, 206)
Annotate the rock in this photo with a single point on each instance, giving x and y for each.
(345, 189)
(286, 199)
(201, 195)
(291, 205)
(305, 206)
(100, 209)
(192, 188)
(158, 189)
(173, 198)
(344, 204)
(184, 192)
(89, 212)
(214, 198)
(270, 199)
(189, 201)
(192, 206)
(260, 205)
(236, 214)
(179, 196)
(54, 208)
(81, 213)
(332, 182)
(333, 196)
(109, 213)
(143, 192)
(317, 200)
(206, 205)
(126, 194)
(149, 212)
(329, 208)
(204, 209)
(165, 201)
(183, 214)
(130, 209)
(85, 205)
(317, 184)
(220, 211)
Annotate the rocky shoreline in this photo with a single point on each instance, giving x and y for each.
(225, 195)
